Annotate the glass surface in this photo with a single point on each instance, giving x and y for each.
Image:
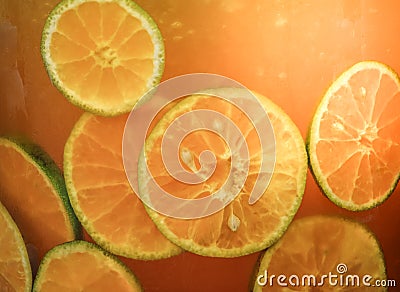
(289, 51)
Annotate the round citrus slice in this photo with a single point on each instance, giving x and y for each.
(241, 227)
(353, 143)
(316, 253)
(15, 269)
(103, 55)
(33, 191)
(83, 266)
(101, 195)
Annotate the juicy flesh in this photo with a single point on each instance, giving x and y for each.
(359, 146)
(235, 226)
(102, 53)
(32, 202)
(104, 194)
(12, 271)
(201, 140)
(83, 271)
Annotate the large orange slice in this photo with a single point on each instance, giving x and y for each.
(240, 228)
(354, 141)
(33, 190)
(102, 55)
(101, 195)
(15, 270)
(82, 266)
(323, 253)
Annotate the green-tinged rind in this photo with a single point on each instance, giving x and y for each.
(158, 58)
(312, 137)
(127, 251)
(84, 247)
(255, 271)
(264, 262)
(34, 154)
(22, 249)
(187, 244)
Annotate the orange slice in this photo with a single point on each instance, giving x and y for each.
(102, 55)
(101, 195)
(15, 270)
(33, 190)
(240, 228)
(315, 247)
(82, 266)
(354, 141)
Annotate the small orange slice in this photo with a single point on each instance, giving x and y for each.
(82, 266)
(33, 191)
(318, 246)
(101, 195)
(240, 228)
(354, 141)
(102, 55)
(15, 270)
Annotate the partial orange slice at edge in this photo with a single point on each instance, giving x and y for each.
(354, 141)
(32, 188)
(83, 266)
(15, 269)
(101, 195)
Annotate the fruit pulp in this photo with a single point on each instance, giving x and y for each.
(290, 51)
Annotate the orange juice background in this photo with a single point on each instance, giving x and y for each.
(287, 50)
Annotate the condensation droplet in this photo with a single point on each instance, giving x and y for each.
(281, 21)
(177, 38)
(176, 24)
(282, 75)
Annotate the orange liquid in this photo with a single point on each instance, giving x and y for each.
(289, 51)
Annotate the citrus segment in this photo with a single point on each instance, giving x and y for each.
(82, 266)
(318, 246)
(102, 55)
(15, 270)
(101, 195)
(240, 228)
(354, 146)
(33, 190)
